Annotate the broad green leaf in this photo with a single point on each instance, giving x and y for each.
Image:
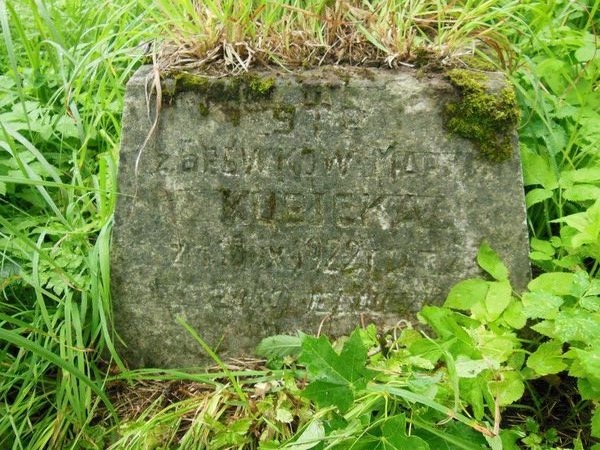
(398, 442)
(582, 192)
(546, 327)
(470, 368)
(588, 362)
(465, 294)
(581, 284)
(427, 351)
(426, 385)
(589, 50)
(497, 299)
(279, 346)
(335, 377)
(584, 175)
(541, 305)
(321, 360)
(284, 415)
(312, 435)
(536, 196)
(596, 423)
(542, 246)
(516, 360)
(67, 127)
(577, 325)
(537, 170)
(473, 391)
(588, 390)
(489, 261)
(557, 283)
(515, 316)
(394, 437)
(508, 389)
(594, 288)
(547, 359)
(539, 256)
(555, 73)
(587, 223)
(495, 442)
(444, 322)
(591, 303)
(509, 439)
(494, 346)
(330, 394)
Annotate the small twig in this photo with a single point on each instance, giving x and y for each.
(497, 417)
(327, 317)
(155, 87)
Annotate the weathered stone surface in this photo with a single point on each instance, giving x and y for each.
(333, 196)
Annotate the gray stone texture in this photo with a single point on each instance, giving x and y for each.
(335, 196)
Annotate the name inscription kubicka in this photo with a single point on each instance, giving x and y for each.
(327, 202)
(342, 209)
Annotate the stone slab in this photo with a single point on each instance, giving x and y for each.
(333, 197)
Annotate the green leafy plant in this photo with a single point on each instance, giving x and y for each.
(453, 387)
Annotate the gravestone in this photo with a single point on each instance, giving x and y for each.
(275, 202)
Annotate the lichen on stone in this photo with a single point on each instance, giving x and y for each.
(485, 116)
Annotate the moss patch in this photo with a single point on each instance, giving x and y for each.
(232, 88)
(259, 87)
(203, 109)
(487, 118)
(231, 92)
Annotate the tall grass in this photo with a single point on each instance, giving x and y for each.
(63, 67)
(230, 35)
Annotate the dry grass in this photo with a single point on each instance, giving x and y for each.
(229, 37)
(199, 410)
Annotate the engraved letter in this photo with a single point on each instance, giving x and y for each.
(235, 206)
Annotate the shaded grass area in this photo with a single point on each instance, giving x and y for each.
(63, 67)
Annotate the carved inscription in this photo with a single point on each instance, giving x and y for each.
(342, 209)
(351, 225)
(239, 161)
(353, 245)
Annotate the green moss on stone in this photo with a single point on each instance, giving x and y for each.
(203, 109)
(229, 92)
(284, 112)
(259, 87)
(236, 88)
(487, 118)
